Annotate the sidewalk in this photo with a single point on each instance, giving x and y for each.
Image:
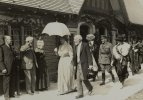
(110, 91)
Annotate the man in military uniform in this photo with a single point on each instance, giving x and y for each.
(105, 56)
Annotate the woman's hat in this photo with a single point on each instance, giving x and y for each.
(90, 37)
(29, 38)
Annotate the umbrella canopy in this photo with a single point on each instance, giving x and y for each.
(56, 28)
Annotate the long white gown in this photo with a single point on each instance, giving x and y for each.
(65, 69)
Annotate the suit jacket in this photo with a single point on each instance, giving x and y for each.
(28, 57)
(6, 59)
(105, 53)
(85, 59)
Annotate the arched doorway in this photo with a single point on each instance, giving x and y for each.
(84, 30)
(104, 28)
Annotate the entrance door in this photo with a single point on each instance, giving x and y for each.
(84, 30)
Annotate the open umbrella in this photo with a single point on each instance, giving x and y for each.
(56, 28)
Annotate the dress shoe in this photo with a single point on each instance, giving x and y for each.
(89, 92)
(103, 83)
(30, 93)
(79, 96)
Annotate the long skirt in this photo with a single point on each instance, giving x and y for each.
(121, 71)
(65, 75)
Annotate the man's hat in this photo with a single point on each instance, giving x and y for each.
(104, 37)
(119, 38)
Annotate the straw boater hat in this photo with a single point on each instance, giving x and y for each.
(90, 37)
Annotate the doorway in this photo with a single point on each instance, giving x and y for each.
(84, 30)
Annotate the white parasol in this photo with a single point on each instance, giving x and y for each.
(56, 28)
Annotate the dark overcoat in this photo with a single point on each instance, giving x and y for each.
(6, 59)
(85, 59)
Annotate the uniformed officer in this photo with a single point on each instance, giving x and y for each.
(105, 56)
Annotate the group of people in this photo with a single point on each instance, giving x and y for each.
(32, 62)
(76, 64)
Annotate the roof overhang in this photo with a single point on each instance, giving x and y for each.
(134, 10)
(66, 6)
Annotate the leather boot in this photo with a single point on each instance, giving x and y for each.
(103, 79)
(112, 75)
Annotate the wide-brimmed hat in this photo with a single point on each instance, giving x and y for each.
(90, 37)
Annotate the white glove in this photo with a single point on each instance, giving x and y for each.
(4, 71)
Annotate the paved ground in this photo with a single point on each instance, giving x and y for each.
(111, 91)
(137, 96)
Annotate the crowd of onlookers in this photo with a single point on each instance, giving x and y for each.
(76, 64)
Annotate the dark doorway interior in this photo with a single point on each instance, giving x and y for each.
(102, 31)
(84, 30)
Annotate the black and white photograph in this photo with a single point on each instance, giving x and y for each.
(71, 49)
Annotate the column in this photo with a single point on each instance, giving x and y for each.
(9, 30)
(114, 32)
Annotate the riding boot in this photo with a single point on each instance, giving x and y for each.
(103, 79)
(112, 75)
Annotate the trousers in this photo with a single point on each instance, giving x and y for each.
(80, 80)
(30, 79)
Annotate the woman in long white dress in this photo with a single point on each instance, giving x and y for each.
(65, 68)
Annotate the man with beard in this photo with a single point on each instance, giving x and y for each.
(82, 61)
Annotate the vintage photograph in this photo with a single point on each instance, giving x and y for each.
(71, 49)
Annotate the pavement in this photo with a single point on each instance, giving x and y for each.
(110, 91)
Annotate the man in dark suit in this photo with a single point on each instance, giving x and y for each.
(6, 63)
(29, 64)
(82, 61)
